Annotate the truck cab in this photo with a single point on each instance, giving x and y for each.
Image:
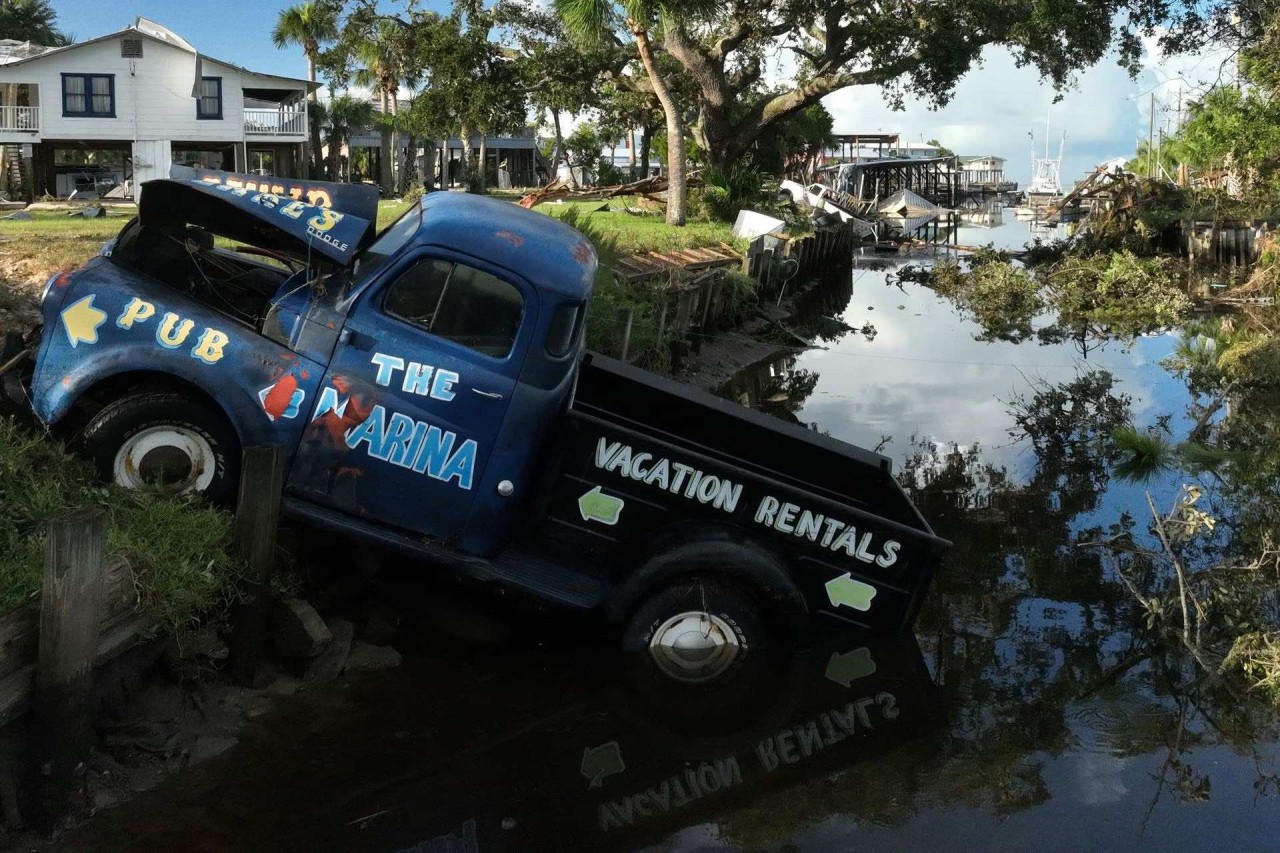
(430, 391)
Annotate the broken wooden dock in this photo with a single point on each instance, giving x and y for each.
(642, 266)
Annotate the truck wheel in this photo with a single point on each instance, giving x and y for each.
(699, 661)
(165, 439)
(695, 631)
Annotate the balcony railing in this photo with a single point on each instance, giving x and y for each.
(286, 121)
(20, 119)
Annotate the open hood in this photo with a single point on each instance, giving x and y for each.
(298, 218)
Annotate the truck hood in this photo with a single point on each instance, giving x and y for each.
(291, 217)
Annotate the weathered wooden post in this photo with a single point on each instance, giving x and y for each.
(704, 302)
(627, 317)
(257, 516)
(70, 614)
(662, 321)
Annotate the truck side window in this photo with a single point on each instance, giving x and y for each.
(459, 303)
(564, 330)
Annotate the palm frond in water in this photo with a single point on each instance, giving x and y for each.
(1143, 455)
(1200, 457)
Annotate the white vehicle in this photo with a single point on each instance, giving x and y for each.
(824, 198)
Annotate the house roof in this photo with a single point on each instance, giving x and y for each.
(976, 157)
(152, 30)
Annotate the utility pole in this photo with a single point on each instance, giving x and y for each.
(1151, 132)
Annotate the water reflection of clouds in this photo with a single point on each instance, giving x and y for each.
(924, 373)
(1098, 779)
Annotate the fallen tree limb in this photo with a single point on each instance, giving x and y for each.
(558, 190)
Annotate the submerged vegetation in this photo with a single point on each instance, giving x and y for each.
(1118, 293)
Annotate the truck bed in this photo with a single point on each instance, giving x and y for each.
(640, 458)
(683, 415)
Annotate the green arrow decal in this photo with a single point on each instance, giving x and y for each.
(846, 591)
(844, 669)
(597, 506)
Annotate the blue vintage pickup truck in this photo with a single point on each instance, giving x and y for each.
(430, 388)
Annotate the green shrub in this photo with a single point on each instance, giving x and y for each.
(607, 174)
(726, 192)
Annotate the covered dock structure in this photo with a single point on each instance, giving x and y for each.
(936, 179)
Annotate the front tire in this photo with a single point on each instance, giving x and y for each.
(165, 439)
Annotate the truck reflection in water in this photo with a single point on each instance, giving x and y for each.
(532, 755)
(648, 759)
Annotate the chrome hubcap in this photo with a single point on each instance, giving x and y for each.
(176, 458)
(694, 646)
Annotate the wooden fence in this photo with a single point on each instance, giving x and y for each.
(695, 308)
(774, 261)
(1232, 243)
(119, 627)
(88, 612)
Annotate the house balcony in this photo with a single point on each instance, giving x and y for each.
(287, 123)
(19, 124)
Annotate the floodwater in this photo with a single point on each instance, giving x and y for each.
(1025, 713)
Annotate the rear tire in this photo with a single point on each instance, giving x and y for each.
(168, 439)
(695, 630)
(701, 654)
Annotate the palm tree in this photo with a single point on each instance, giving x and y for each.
(308, 25)
(31, 20)
(381, 53)
(343, 115)
(592, 20)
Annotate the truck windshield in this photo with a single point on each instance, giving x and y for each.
(389, 242)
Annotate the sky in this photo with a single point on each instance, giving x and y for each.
(995, 105)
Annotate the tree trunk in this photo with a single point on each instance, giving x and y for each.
(646, 145)
(677, 188)
(385, 176)
(410, 168)
(484, 164)
(558, 153)
(467, 165)
(313, 126)
(631, 153)
(335, 155)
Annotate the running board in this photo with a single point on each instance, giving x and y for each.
(540, 577)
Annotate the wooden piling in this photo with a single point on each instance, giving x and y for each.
(257, 517)
(627, 317)
(71, 599)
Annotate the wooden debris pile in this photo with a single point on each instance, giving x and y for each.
(558, 190)
(645, 265)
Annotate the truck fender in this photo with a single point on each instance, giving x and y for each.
(721, 552)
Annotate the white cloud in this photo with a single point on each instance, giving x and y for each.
(997, 103)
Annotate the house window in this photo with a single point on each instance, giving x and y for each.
(89, 95)
(209, 104)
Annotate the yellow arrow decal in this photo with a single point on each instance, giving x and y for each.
(81, 321)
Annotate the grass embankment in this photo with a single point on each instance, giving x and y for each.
(614, 234)
(641, 232)
(175, 548)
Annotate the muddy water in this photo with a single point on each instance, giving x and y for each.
(1025, 713)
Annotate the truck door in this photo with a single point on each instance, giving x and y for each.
(416, 393)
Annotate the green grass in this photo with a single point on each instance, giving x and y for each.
(176, 548)
(645, 232)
